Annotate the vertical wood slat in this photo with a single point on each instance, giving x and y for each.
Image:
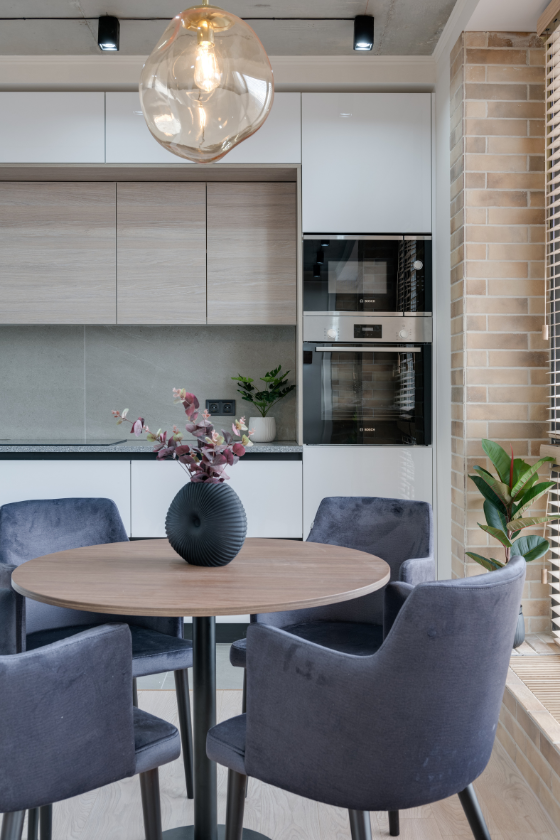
(57, 253)
(161, 253)
(251, 253)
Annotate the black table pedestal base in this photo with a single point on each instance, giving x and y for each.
(186, 832)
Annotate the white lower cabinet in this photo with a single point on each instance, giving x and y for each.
(398, 472)
(271, 492)
(21, 480)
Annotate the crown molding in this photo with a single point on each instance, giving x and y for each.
(305, 73)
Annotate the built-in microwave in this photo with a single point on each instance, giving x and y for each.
(367, 380)
(388, 274)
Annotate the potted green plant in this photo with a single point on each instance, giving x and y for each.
(264, 427)
(507, 499)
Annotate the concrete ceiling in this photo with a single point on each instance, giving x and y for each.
(69, 27)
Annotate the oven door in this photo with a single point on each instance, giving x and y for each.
(367, 395)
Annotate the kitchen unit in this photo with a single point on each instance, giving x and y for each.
(167, 243)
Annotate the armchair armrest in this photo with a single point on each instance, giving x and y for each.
(12, 614)
(6, 575)
(395, 596)
(418, 570)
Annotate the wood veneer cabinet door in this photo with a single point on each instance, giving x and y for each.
(57, 253)
(161, 253)
(251, 253)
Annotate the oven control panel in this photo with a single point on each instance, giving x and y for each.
(364, 328)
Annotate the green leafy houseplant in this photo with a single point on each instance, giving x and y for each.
(507, 499)
(277, 388)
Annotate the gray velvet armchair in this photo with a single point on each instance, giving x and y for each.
(33, 528)
(68, 726)
(398, 531)
(409, 725)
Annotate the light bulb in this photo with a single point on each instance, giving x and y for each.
(207, 74)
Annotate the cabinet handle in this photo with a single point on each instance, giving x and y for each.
(369, 348)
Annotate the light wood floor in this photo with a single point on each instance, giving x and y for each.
(115, 813)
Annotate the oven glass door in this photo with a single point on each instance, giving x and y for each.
(367, 395)
(372, 274)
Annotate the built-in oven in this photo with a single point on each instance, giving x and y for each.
(367, 380)
(357, 273)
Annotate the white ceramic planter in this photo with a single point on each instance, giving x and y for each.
(265, 429)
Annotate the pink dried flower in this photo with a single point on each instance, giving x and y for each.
(206, 460)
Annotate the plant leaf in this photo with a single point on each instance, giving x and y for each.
(530, 547)
(500, 489)
(499, 458)
(490, 564)
(523, 479)
(494, 517)
(518, 524)
(497, 534)
(531, 496)
(488, 493)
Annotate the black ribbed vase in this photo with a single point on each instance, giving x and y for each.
(206, 524)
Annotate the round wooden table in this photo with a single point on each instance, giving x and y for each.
(147, 577)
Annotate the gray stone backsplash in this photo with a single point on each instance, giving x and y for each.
(59, 382)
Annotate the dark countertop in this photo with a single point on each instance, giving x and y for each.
(132, 450)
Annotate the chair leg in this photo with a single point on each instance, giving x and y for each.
(243, 712)
(12, 825)
(184, 708)
(33, 824)
(360, 826)
(151, 806)
(45, 822)
(236, 787)
(473, 814)
(134, 692)
(394, 828)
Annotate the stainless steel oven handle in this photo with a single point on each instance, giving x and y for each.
(369, 348)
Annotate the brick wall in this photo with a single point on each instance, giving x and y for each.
(499, 359)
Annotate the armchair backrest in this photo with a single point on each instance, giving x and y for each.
(33, 528)
(394, 529)
(412, 724)
(66, 725)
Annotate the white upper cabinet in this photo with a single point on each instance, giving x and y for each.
(366, 162)
(279, 140)
(129, 141)
(52, 128)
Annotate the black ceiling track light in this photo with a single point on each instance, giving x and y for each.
(108, 33)
(363, 32)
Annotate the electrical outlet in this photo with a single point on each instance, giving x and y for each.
(221, 408)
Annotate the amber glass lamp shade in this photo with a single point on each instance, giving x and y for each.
(207, 86)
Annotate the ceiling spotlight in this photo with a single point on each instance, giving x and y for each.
(363, 32)
(316, 271)
(320, 258)
(108, 33)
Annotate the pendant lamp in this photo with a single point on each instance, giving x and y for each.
(207, 86)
